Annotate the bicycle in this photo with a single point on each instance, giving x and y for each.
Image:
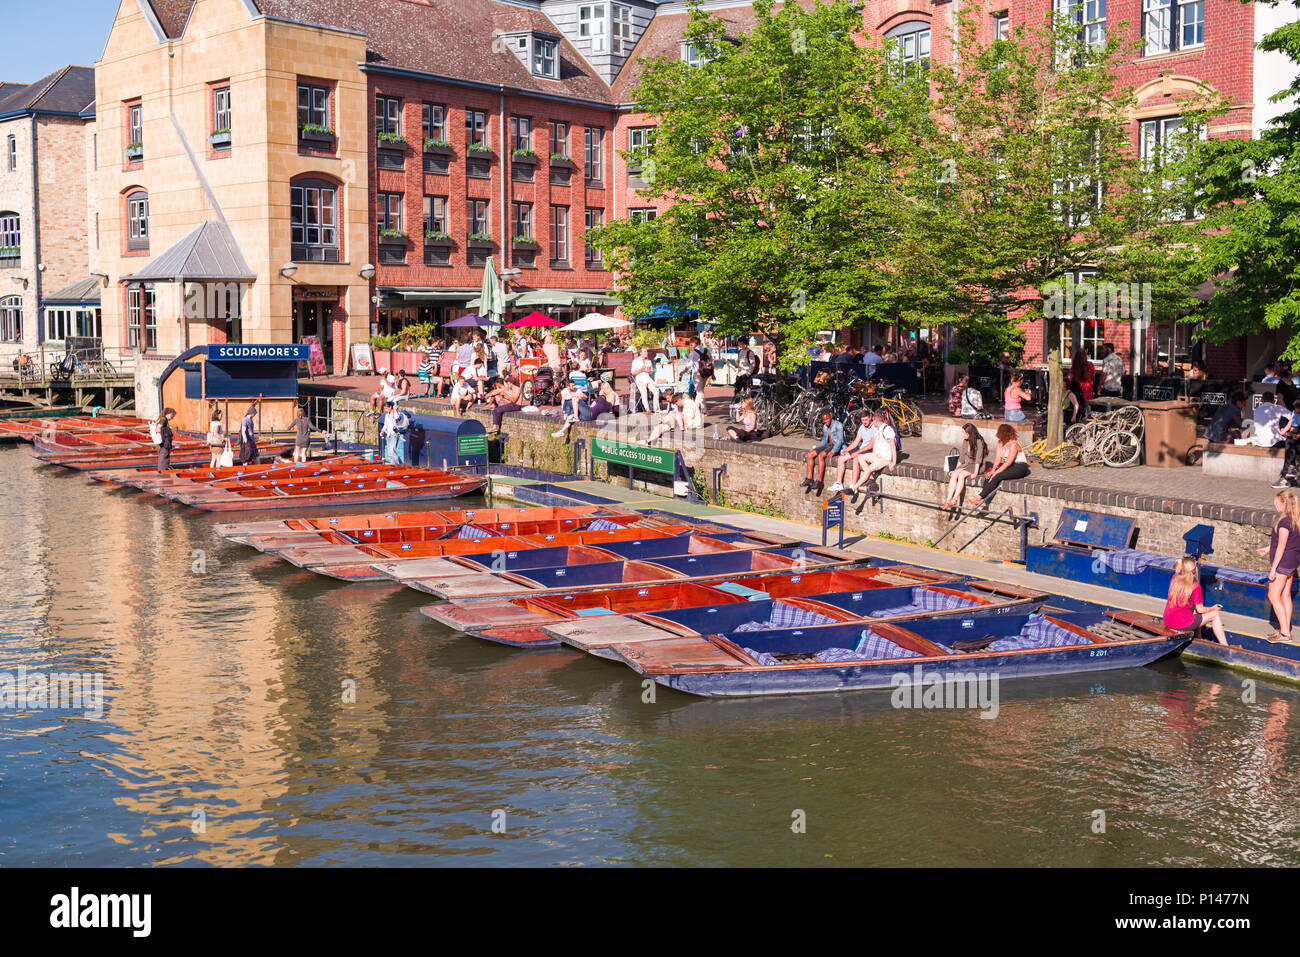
(1113, 439)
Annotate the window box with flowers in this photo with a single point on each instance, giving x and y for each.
(524, 242)
(316, 133)
(481, 149)
(135, 152)
(480, 240)
(524, 156)
(392, 141)
(219, 139)
(433, 237)
(10, 255)
(437, 147)
(396, 237)
(566, 162)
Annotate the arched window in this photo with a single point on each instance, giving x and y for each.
(314, 220)
(910, 45)
(11, 319)
(11, 237)
(137, 220)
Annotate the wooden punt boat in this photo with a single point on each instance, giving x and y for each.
(33, 412)
(697, 568)
(427, 484)
(434, 533)
(455, 558)
(798, 615)
(91, 441)
(252, 533)
(108, 461)
(849, 657)
(149, 480)
(195, 492)
(27, 428)
(519, 622)
(1249, 654)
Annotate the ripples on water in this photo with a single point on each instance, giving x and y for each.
(224, 696)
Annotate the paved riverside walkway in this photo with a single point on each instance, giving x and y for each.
(1184, 490)
(900, 552)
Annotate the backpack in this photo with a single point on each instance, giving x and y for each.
(154, 435)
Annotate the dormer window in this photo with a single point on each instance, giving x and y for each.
(622, 30)
(540, 52)
(692, 55)
(593, 25)
(546, 58)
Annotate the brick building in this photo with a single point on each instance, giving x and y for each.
(357, 163)
(44, 267)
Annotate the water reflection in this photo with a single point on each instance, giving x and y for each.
(312, 722)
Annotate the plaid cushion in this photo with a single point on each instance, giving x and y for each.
(1241, 575)
(924, 599)
(838, 654)
(786, 616)
(473, 531)
(1128, 561)
(1039, 633)
(872, 646)
(603, 525)
(762, 657)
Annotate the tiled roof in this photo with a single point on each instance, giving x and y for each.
(66, 90)
(452, 38)
(172, 15)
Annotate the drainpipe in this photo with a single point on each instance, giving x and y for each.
(36, 233)
(501, 169)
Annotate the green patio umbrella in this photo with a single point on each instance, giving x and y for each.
(489, 300)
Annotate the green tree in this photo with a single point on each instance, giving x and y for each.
(1248, 243)
(1044, 186)
(788, 157)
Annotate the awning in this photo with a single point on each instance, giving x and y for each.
(565, 298)
(667, 311)
(207, 254)
(458, 297)
(82, 293)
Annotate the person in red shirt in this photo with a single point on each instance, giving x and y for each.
(1185, 608)
(1084, 373)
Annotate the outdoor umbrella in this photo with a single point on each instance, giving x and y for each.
(593, 321)
(533, 320)
(489, 298)
(473, 320)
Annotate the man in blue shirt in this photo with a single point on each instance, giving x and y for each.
(853, 452)
(871, 360)
(829, 444)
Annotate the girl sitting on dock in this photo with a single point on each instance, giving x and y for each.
(1185, 608)
(1283, 556)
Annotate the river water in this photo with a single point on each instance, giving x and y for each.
(226, 738)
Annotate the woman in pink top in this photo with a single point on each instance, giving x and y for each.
(1012, 398)
(1185, 607)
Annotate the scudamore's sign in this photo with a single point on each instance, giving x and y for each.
(633, 456)
(231, 352)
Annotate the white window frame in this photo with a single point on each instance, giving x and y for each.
(593, 25)
(137, 219)
(435, 214)
(1164, 25)
(546, 58)
(221, 108)
(476, 132)
(11, 319)
(11, 229)
(13, 152)
(388, 114)
(1001, 25)
(560, 234)
(593, 149)
(592, 218)
(622, 28)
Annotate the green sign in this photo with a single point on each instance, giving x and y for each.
(471, 445)
(634, 456)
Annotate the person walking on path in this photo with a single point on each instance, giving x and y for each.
(1283, 556)
(1005, 467)
(165, 439)
(969, 465)
(1185, 606)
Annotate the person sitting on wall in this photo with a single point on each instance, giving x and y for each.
(387, 389)
(403, 387)
(574, 407)
(829, 444)
(1226, 424)
(884, 452)
(504, 398)
(854, 452)
(1268, 419)
(955, 394)
(463, 393)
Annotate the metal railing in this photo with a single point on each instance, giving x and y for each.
(53, 364)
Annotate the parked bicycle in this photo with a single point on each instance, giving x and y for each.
(1113, 439)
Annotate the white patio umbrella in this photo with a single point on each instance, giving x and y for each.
(593, 321)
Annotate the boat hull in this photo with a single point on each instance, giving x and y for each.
(1249, 654)
(889, 675)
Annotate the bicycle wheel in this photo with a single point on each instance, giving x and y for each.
(1121, 449)
(764, 412)
(1063, 456)
(906, 416)
(1078, 434)
(796, 413)
(1034, 450)
(1127, 418)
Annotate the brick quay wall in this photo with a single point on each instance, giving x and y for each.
(765, 479)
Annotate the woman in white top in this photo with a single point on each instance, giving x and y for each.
(643, 378)
(692, 414)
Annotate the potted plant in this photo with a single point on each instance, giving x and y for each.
(134, 152)
(434, 145)
(434, 237)
(526, 242)
(480, 149)
(219, 138)
(561, 159)
(391, 140)
(394, 236)
(524, 156)
(315, 133)
(10, 252)
(480, 239)
(382, 346)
